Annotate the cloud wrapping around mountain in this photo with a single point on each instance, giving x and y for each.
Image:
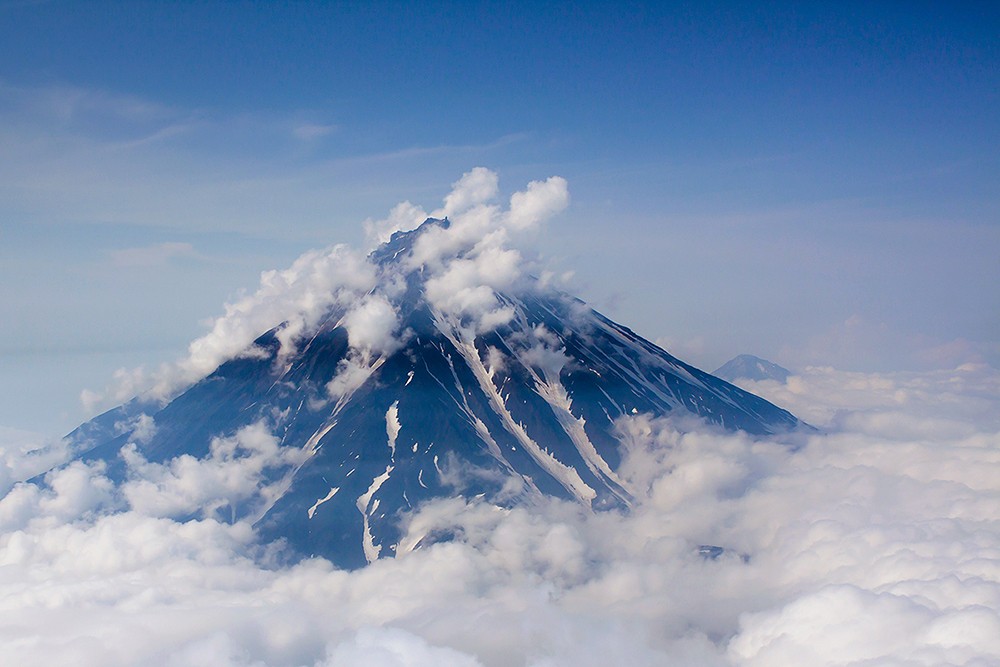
(463, 265)
(232, 474)
(876, 541)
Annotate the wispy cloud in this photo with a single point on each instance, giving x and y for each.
(312, 131)
(77, 154)
(415, 152)
(85, 111)
(158, 254)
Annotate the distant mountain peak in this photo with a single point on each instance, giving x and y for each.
(749, 367)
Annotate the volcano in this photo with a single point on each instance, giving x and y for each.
(452, 374)
(749, 367)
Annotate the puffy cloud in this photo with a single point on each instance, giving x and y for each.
(393, 648)
(439, 244)
(464, 265)
(475, 188)
(468, 287)
(229, 482)
(477, 224)
(126, 383)
(70, 493)
(841, 625)
(372, 324)
(540, 201)
(24, 454)
(142, 428)
(470, 260)
(352, 372)
(298, 298)
(871, 542)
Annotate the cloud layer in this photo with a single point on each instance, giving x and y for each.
(875, 542)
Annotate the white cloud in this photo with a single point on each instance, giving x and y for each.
(70, 493)
(377, 647)
(142, 428)
(545, 352)
(952, 396)
(876, 542)
(352, 372)
(299, 298)
(469, 286)
(841, 625)
(227, 484)
(470, 261)
(540, 201)
(24, 454)
(371, 325)
(475, 188)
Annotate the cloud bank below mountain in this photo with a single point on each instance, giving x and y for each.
(874, 541)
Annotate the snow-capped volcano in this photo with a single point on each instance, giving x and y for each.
(454, 372)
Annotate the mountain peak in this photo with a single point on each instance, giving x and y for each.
(749, 367)
(402, 240)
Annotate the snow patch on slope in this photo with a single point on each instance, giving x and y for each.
(333, 492)
(392, 426)
(366, 507)
(568, 477)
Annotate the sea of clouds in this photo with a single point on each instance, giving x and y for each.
(874, 540)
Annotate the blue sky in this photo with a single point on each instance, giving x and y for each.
(815, 184)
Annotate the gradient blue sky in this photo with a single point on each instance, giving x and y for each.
(817, 184)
